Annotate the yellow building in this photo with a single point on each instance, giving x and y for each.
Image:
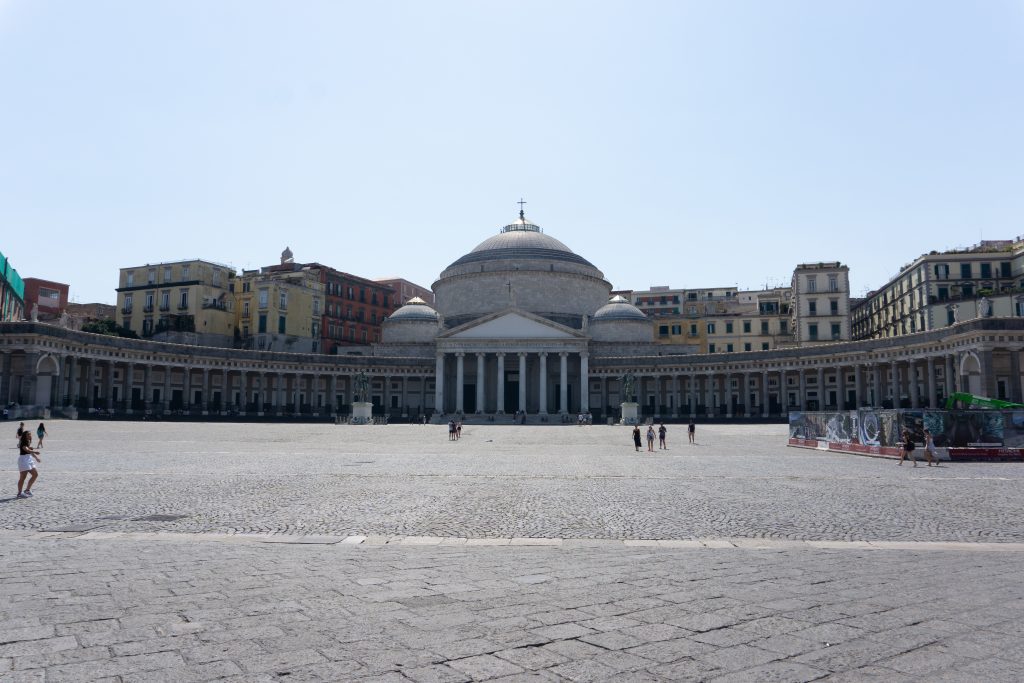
(188, 302)
(729, 321)
(279, 308)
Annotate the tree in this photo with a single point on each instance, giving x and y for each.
(109, 328)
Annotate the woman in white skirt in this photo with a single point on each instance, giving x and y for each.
(27, 459)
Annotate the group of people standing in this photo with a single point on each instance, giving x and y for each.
(661, 433)
(454, 430)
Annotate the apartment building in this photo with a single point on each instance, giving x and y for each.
(12, 292)
(45, 300)
(406, 290)
(820, 302)
(939, 289)
(187, 302)
(279, 309)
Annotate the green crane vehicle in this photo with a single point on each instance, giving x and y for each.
(972, 401)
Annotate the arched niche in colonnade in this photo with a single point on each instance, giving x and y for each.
(970, 373)
(47, 367)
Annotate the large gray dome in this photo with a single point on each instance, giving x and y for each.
(523, 268)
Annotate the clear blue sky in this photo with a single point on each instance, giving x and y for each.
(691, 144)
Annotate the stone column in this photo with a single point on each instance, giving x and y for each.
(187, 387)
(858, 385)
(460, 370)
(439, 384)
(563, 378)
(405, 398)
(766, 397)
(167, 388)
(709, 400)
(915, 401)
(225, 391)
(423, 395)
(988, 379)
(5, 379)
(585, 382)
(822, 396)
(74, 390)
(840, 388)
(691, 394)
(126, 385)
(481, 395)
(522, 381)
(677, 396)
(147, 387)
(802, 377)
(243, 391)
(1015, 393)
(543, 391)
(747, 412)
(385, 398)
(895, 384)
(314, 400)
(727, 393)
(279, 390)
(876, 383)
(950, 379)
(933, 394)
(500, 384)
(604, 395)
(265, 394)
(206, 391)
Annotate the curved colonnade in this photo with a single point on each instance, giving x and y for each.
(43, 366)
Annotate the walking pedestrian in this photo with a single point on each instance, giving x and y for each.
(21, 430)
(929, 448)
(661, 436)
(650, 438)
(908, 448)
(691, 431)
(41, 433)
(636, 437)
(458, 430)
(451, 430)
(27, 458)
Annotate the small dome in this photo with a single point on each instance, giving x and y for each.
(415, 309)
(618, 308)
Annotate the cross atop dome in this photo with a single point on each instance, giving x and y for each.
(522, 223)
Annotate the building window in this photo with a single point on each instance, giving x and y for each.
(129, 279)
(728, 348)
(965, 270)
(245, 309)
(728, 328)
(165, 301)
(147, 327)
(812, 283)
(711, 328)
(693, 330)
(833, 283)
(711, 348)
(283, 299)
(662, 330)
(1019, 306)
(746, 327)
(184, 272)
(128, 303)
(264, 296)
(764, 327)
(812, 332)
(942, 271)
(316, 306)
(746, 346)
(986, 270)
(833, 307)
(151, 277)
(364, 336)
(149, 301)
(943, 293)
(183, 299)
(836, 331)
(216, 278)
(282, 324)
(167, 273)
(764, 346)
(1004, 269)
(812, 307)
(783, 327)
(261, 326)
(677, 329)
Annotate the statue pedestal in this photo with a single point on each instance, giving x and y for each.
(362, 412)
(629, 413)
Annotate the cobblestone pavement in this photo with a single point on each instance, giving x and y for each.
(160, 552)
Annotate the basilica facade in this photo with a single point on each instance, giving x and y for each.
(521, 325)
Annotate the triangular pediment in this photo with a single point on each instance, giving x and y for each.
(512, 324)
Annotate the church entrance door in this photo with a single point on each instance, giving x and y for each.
(469, 397)
(512, 394)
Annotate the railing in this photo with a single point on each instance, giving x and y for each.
(147, 309)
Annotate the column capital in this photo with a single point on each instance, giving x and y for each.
(542, 354)
(481, 354)
(563, 354)
(500, 354)
(522, 354)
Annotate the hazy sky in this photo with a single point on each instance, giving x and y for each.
(691, 144)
